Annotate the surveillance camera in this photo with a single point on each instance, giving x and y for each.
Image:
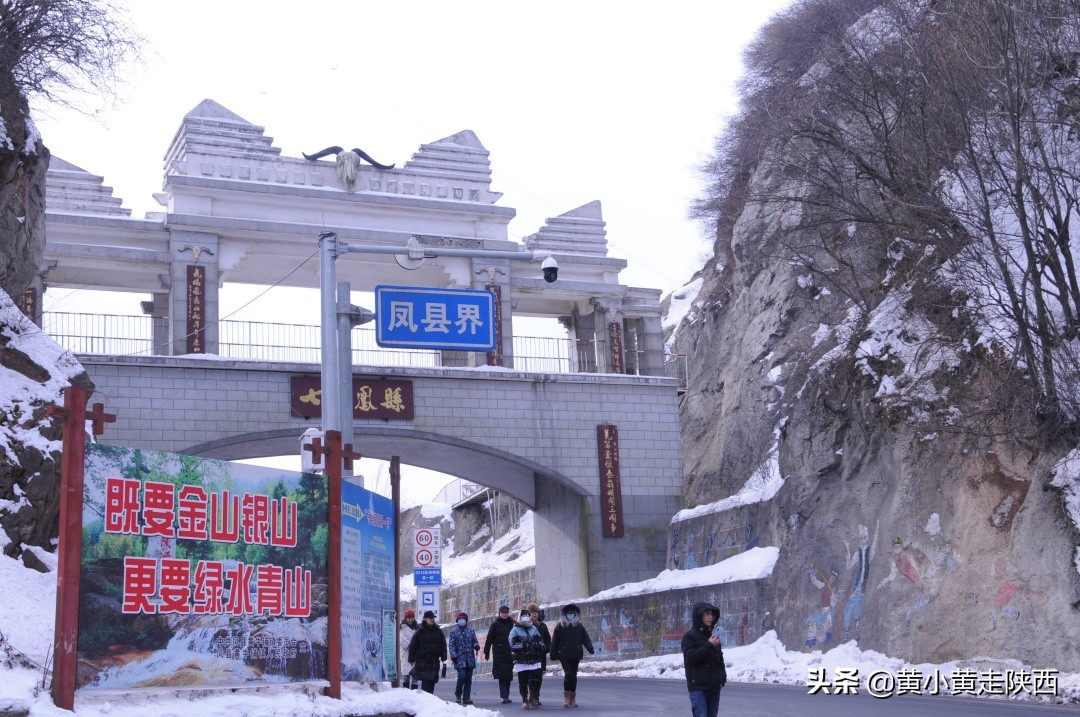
(551, 270)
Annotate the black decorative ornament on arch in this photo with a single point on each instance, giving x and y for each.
(348, 162)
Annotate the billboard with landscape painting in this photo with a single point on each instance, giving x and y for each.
(200, 573)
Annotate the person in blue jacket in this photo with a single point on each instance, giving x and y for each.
(703, 660)
(463, 649)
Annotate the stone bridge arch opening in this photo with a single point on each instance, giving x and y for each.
(484, 465)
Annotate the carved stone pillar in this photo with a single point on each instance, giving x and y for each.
(581, 329)
(608, 332)
(33, 296)
(193, 293)
(158, 310)
(495, 277)
(651, 346)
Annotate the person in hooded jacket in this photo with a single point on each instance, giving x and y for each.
(703, 660)
(463, 649)
(527, 645)
(497, 649)
(405, 632)
(426, 649)
(568, 646)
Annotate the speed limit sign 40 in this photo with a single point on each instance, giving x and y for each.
(426, 558)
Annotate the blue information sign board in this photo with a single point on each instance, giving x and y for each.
(427, 576)
(415, 317)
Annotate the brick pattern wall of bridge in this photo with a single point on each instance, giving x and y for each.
(178, 404)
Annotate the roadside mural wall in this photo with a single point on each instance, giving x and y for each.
(714, 537)
(621, 628)
(198, 572)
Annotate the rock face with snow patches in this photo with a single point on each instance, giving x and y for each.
(908, 516)
(33, 372)
(915, 542)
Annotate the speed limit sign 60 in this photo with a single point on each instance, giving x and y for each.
(426, 537)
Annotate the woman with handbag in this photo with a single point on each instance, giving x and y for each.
(527, 646)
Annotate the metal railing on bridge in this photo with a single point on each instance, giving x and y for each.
(121, 335)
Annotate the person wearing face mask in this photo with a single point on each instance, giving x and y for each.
(527, 645)
(568, 646)
(463, 649)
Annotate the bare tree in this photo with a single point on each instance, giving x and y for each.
(935, 144)
(48, 48)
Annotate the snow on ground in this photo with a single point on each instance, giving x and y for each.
(27, 627)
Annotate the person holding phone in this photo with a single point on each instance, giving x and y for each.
(703, 660)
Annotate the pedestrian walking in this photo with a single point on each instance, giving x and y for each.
(527, 646)
(463, 650)
(426, 650)
(405, 632)
(541, 626)
(703, 660)
(497, 649)
(568, 646)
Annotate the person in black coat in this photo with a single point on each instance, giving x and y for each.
(568, 646)
(497, 644)
(703, 660)
(426, 649)
(542, 628)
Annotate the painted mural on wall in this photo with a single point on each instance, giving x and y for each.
(198, 572)
(710, 539)
(621, 628)
(844, 579)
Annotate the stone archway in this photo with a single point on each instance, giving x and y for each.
(483, 465)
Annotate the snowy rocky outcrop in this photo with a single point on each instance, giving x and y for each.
(33, 372)
(909, 517)
(23, 163)
(890, 533)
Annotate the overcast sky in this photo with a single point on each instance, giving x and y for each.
(575, 101)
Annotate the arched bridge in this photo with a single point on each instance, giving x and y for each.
(532, 435)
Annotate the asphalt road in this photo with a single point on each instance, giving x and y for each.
(628, 697)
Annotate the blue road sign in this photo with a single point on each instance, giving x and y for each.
(427, 576)
(416, 317)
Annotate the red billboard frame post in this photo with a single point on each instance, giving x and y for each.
(69, 564)
(335, 454)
